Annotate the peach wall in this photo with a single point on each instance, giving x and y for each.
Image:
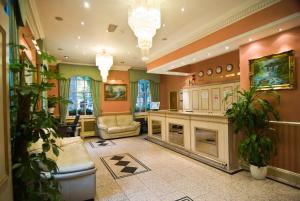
(170, 83)
(25, 39)
(288, 40)
(279, 10)
(116, 77)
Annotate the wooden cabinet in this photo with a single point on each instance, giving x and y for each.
(210, 98)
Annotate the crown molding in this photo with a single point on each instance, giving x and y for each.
(31, 17)
(233, 16)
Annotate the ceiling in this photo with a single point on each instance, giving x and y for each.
(61, 37)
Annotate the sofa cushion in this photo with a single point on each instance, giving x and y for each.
(74, 158)
(109, 121)
(124, 120)
(120, 129)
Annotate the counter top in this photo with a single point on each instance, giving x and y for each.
(181, 112)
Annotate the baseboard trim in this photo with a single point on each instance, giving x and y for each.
(215, 164)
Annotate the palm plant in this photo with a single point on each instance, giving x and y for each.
(251, 116)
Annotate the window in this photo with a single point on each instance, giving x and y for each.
(143, 99)
(81, 97)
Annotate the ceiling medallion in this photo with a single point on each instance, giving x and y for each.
(144, 19)
(104, 61)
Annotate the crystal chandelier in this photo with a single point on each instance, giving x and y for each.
(144, 19)
(104, 62)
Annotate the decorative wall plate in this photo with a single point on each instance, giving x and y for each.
(209, 71)
(229, 67)
(219, 69)
(201, 74)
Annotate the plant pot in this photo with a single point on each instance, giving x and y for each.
(258, 172)
(51, 110)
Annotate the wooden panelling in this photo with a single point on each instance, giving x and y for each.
(288, 154)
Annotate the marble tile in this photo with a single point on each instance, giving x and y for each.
(173, 176)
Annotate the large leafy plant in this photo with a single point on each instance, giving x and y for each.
(251, 116)
(30, 123)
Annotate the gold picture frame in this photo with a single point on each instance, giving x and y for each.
(276, 71)
(115, 92)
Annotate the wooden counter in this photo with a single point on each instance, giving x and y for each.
(206, 137)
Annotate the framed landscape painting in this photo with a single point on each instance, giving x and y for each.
(275, 71)
(115, 92)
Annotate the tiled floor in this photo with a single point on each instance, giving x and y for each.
(174, 176)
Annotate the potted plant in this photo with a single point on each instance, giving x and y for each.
(251, 116)
(52, 101)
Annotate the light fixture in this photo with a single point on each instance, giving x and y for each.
(86, 4)
(104, 61)
(182, 9)
(250, 39)
(82, 23)
(144, 19)
(226, 47)
(164, 25)
(78, 37)
(34, 42)
(280, 29)
(66, 57)
(208, 54)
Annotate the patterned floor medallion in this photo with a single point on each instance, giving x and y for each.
(101, 143)
(123, 165)
(186, 198)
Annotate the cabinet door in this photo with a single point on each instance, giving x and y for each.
(216, 99)
(195, 100)
(187, 100)
(205, 99)
(226, 90)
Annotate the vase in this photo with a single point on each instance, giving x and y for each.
(258, 172)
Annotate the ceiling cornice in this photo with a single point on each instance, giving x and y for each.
(31, 16)
(235, 15)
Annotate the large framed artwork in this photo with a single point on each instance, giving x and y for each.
(115, 92)
(275, 71)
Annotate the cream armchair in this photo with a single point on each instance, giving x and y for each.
(117, 126)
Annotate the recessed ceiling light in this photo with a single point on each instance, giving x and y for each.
(82, 23)
(58, 18)
(86, 4)
(280, 29)
(164, 25)
(250, 39)
(208, 54)
(226, 47)
(78, 37)
(66, 57)
(182, 9)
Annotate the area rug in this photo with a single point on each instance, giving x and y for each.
(123, 165)
(101, 143)
(186, 198)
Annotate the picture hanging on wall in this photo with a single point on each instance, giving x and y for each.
(274, 71)
(115, 92)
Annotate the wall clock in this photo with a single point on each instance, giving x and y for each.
(209, 71)
(229, 67)
(201, 74)
(219, 69)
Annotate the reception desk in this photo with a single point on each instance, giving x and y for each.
(202, 136)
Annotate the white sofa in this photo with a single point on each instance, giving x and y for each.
(76, 171)
(117, 126)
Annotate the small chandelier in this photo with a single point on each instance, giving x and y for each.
(144, 20)
(104, 62)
